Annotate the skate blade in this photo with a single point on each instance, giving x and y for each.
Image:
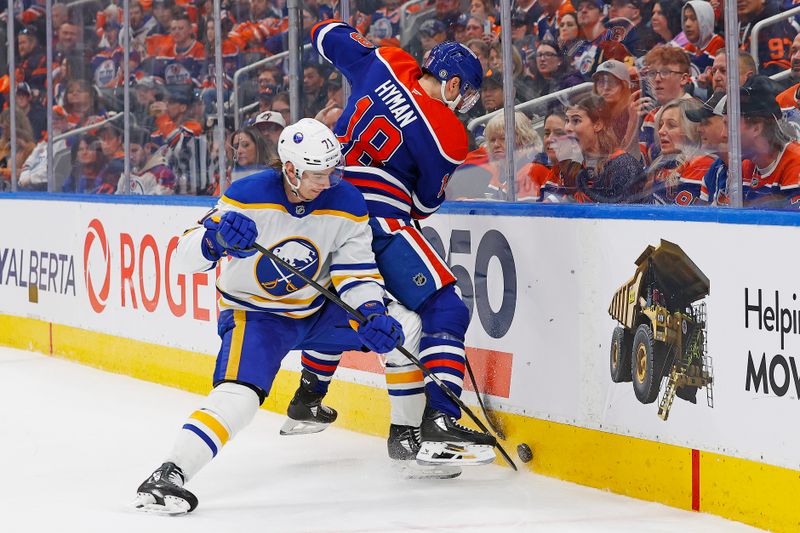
(173, 506)
(447, 453)
(412, 470)
(299, 427)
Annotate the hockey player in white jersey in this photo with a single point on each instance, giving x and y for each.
(296, 212)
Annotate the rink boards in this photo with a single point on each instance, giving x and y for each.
(94, 281)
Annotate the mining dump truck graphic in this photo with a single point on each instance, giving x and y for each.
(662, 329)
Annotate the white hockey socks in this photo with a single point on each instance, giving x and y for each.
(228, 408)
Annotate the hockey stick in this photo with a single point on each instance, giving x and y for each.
(428, 374)
(490, 419)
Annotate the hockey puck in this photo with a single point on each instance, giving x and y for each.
(524, 452)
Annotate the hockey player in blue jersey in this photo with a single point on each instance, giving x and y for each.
(266, 311)
(402, 141)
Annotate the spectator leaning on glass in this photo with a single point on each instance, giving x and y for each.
(766, 142)
(149, 171)
(679, 142)
(600, 171)
(88, 162)
(252, 152)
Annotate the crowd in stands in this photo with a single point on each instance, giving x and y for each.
(648, 126)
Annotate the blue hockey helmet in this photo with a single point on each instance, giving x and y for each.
(449, 59)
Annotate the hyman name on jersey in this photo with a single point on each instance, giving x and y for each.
(394, 99)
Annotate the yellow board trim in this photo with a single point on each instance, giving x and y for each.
(237, 340)
(344, 214)
(213, 424)
(755, 493)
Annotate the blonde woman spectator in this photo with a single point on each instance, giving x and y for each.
(527, 144)
(679, 142)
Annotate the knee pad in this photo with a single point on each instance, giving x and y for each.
(445, 312)
(233, 404)
(412, 329)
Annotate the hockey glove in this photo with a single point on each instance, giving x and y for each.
(233, 234)
(379, 332)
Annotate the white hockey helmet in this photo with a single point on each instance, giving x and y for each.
(311, 147)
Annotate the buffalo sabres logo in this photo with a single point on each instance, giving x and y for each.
(276, 280)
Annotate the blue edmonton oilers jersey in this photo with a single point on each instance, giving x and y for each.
(401, 146)
(328, 238)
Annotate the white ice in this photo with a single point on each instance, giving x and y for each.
(76, 442)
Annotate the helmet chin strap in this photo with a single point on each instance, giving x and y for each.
(294, 187)
(452, 104)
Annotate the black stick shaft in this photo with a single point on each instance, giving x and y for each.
(330, 295)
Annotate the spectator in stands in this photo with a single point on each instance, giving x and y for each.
(150, 174)
(492, 92)
(33, 174)
(475, 30)
(480, 49)
(66, 41)
(546, 28)
(665, 77)
(87, 163)
(111, 143)
(774, 40)
(546, 170)
(609, 174)
(163, 11)
(612, 81)
(794, 59)
(590, 20)
(32, 62)
(679, 142)
(719, 71)
(551, 71)
(182, 60)
(666, 21)
(698, 26)
(270, 124)
(24, 144)
(335, 90)
(764, 141)
(80, 102)
(431, 33)
(315, 92)
(281, 104)
(713, 133)
(141, 25)
(521, 36)
(527, 143)
(252, 152)
(458, 28)
(32, 109)
(447, 11)
(570, 41)
(262, 9)
(483, 11)
(270, 78)
(641, 37)
(149, 102)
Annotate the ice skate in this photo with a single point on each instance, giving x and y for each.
(446, 442)
(163, 493)
(403, 445)
(306, 412)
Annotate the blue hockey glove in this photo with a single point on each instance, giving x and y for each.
(379, 332)
(233, 234)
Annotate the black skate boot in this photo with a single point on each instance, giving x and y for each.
(403, 444)
(163, 493)
(445, 441)
(306, 412)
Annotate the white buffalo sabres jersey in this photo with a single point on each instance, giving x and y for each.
(327, 238)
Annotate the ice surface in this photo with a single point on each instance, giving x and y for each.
(78, 441)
